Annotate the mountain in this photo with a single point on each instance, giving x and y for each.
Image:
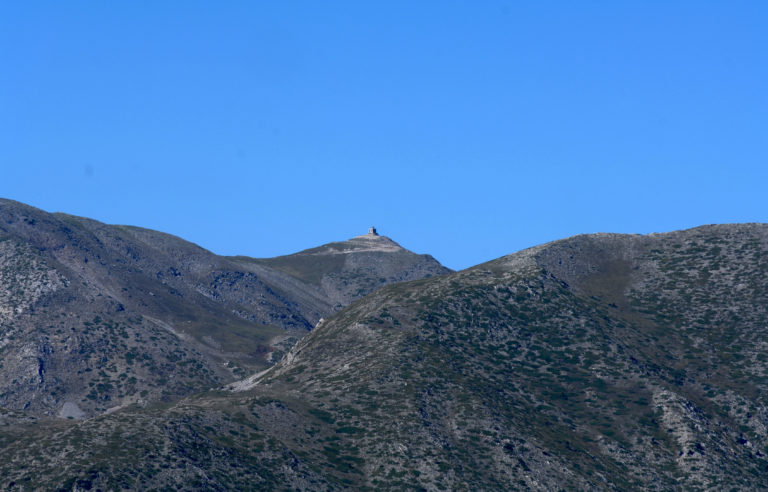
(342, 272)
(346, 271)
(609, 362)
(94, 317)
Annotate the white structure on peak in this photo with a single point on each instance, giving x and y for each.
(372, 231)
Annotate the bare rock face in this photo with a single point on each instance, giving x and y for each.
(95, 317)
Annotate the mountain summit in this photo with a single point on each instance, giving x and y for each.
(348, 270)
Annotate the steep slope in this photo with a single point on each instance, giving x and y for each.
(598, 362)
(94, 316)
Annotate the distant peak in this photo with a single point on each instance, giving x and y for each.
(370, 242)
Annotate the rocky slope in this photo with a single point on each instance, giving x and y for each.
(94, 317)
(612, 362)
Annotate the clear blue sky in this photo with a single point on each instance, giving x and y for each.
(463, 129)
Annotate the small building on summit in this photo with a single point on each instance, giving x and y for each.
(372, 231)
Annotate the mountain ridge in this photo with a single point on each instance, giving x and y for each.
(172, 317)
(596, 362)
